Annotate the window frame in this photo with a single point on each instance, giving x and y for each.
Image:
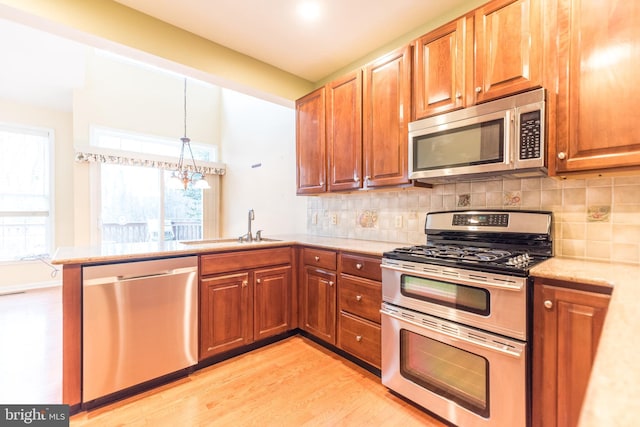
(210, 199)
(49, 213)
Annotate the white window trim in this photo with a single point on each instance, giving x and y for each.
(51, 231)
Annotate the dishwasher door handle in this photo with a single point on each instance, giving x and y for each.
(124, 278)
(158, 274)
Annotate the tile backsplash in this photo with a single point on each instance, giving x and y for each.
(596, 219)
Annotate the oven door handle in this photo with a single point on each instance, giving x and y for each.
(516, 286)
(495, 348)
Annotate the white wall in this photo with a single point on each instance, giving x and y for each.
(60, 121)
(254, 132)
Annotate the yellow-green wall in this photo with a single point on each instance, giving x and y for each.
(117, 23)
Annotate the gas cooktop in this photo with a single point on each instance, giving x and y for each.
(494, 241)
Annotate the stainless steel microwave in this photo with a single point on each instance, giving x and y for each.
(505, 137)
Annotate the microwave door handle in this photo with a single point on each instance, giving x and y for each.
(509, 129)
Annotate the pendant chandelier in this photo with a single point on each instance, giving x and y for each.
(185, 174)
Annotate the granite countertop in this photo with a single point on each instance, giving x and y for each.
(130, 251)
(614, 387)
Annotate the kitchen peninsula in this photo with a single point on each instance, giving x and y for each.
(74, 259)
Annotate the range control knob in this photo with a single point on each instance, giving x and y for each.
(519, 260)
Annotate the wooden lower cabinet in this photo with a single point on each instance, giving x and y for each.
(243, 306)
(359, 301)
(271, 303)
(225, 307)
(567, 327)
(361, 338)
(319, 303)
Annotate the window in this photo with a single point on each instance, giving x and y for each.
(25, 192)
(136, 204)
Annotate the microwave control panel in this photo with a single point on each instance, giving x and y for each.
(530, 135)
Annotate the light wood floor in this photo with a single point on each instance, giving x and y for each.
(31, 347)
(294, 382)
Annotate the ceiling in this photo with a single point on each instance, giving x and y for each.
(273, 32)
(40, 68)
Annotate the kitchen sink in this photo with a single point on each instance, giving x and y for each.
(229, 240)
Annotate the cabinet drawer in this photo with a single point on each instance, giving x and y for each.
(320, 258)
(361, 265)
(360, 338)
(360, 297)
(242, 260)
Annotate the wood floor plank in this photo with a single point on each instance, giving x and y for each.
(294, 382)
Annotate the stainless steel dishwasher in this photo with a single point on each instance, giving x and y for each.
(139, 323)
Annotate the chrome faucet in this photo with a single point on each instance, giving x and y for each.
(249, 236)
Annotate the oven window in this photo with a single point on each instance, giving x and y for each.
(475, 144)
(448, 371)
(461, 297)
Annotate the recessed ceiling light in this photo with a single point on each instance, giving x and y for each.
(309, 10)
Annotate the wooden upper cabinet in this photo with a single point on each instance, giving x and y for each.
(442, 60)
(344, 132)
(310, 143)
(597, 86)
(509, 45)
(386, 111)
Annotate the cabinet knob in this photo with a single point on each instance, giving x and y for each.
(317, 258)
(478, 89)
(245, 283)
(359, 266)
(358, 297)
(562, 155)
(356, 178)
(548, 304)
(330, 282)
(458, 95)
(358, 338)
(258, 281)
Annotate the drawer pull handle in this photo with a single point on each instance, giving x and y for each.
(359, 266)
(358, 338)
(317, 258)
(358, 297)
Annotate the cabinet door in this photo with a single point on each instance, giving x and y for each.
(508, 48)
(386, 108)
(319, 304)
(598, 91)
(441, 59)
(225, 307)
(567, 328)
(344, 132)
(272, 303)
(310, 143)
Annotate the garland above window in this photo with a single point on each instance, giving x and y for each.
(98, 155)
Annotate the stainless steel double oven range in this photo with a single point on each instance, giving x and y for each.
(456, 315)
